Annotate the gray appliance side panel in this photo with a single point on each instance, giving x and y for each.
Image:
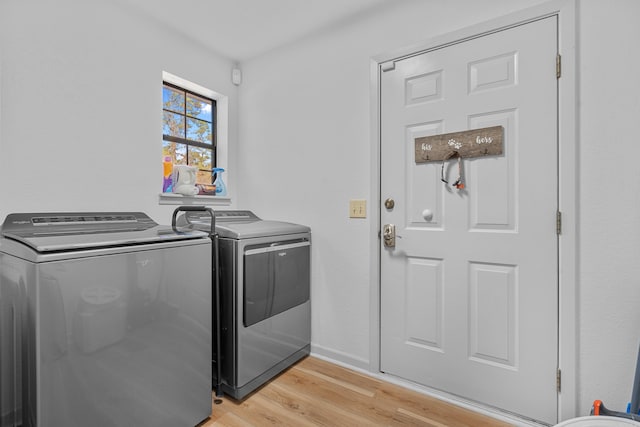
(124, 338)
(14, 336)
(265, 344)
(228, 315)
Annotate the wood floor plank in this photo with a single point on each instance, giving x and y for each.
(421, 418)
(278, 414)
(327, 415)
(326, 394)
(318, 393)
(338, 382)
(230, 419)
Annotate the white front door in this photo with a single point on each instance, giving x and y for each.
(469, 293)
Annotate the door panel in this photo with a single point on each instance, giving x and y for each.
(492, 293)
(492, 205)
(469, 292)
(424, 303)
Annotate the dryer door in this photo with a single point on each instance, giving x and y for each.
(291, 261)
(276, 278)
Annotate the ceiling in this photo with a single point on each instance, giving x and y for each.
(243, 29)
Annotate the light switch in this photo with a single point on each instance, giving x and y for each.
(357, 208)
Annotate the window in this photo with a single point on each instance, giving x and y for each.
(189, 130)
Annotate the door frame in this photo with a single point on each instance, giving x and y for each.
(565, 10)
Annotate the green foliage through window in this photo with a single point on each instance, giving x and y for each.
(188, 130)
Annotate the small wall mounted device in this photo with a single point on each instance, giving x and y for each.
(236, 76)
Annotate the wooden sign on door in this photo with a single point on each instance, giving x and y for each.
(470, 143)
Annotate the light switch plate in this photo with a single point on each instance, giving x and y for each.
(357, 208)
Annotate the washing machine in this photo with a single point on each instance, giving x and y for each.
(265, 308)
(105, 320)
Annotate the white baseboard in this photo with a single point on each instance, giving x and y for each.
(339, 358)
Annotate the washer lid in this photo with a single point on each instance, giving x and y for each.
(53, 232)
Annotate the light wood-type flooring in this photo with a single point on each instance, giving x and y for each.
(317, 393)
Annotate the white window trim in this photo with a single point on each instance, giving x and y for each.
(222, 142)
(198, 200)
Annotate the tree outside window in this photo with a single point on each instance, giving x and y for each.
(188, 130)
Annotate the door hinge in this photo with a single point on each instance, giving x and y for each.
(388, 66)
(559, 380)
(558, 222)
(558, 66)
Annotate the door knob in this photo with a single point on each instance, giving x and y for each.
(389, 203)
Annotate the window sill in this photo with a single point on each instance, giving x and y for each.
(179, 199)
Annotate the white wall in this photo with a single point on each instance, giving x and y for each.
(305, 150)
(609, 296)
(81, 105)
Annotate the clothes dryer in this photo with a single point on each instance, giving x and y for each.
(265, 318)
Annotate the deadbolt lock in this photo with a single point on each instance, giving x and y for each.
(389, 235)
(389, 203)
